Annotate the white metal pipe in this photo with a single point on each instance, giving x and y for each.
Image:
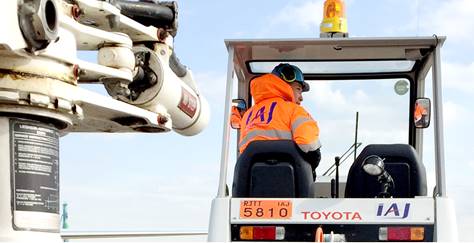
(90, 38)
(438, 124)
(419, 132)
(446, 228)
(11, 37)
(188, 109)
(219, 220)
(119, 57)
(226, 128)
(5, 190)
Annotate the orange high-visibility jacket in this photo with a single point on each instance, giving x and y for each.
(419, 111)
(235, 117)
(276, 116)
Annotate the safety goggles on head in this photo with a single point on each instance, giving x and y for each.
(290, 73)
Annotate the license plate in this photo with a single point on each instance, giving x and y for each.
(265, 209)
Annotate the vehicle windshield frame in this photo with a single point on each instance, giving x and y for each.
(304, 65)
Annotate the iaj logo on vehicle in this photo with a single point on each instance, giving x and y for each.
(393, 211)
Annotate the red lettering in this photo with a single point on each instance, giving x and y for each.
(356, 216)
(252, 203)
(317, 214)
(331, 215)
(338, 217)
(283, 204)
(305, 215)
(326, 214)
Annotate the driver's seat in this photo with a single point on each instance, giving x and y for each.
(272, 168)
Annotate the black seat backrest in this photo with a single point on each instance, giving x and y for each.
(401, 162)
(272, 169)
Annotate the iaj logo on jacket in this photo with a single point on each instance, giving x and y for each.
(393, 211)
(260, 117)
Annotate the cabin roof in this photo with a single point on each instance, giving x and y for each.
(335, 58)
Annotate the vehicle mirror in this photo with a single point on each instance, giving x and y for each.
(422, 112)
(239, 106)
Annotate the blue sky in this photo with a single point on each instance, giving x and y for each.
(167, 181)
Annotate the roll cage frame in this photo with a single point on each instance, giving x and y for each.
(425, 51)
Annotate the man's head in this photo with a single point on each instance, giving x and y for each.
(294, 77)
(297, 92)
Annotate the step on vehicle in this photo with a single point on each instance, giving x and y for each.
(383, 196)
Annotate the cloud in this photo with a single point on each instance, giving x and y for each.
(455, 114)
(294, 19)
(458, 76)
(212, 85)
(452, 18)
(161, 200)
(471, 164)
(382, 115)
(324, 94)
(305, 16)
(370, 97)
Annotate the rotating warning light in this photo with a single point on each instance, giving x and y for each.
(334, 22)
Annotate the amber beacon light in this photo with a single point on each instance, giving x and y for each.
(334, 22)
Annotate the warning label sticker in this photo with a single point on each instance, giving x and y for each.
(35, 166)
(188, 103)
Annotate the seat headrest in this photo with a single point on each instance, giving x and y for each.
(388, 151)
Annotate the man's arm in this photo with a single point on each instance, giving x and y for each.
(304, 130)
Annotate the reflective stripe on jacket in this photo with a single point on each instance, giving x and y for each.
(276, 116)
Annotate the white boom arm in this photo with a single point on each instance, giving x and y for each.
(38, 50)
(40, 98)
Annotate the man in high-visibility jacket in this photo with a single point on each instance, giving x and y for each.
(420, 115)
(277, 114)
